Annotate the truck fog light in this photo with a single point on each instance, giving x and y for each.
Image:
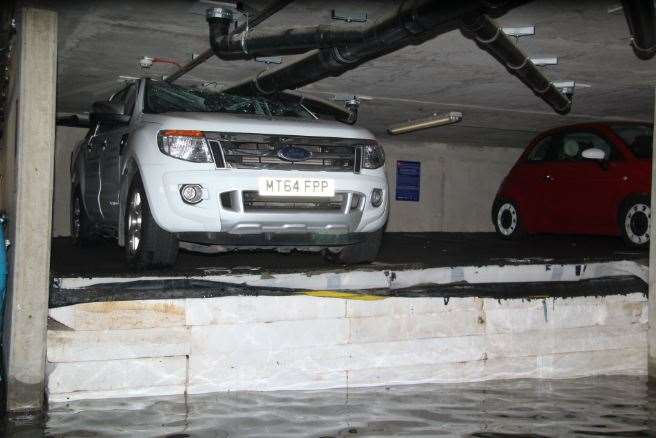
(376, 197)
(191, 193)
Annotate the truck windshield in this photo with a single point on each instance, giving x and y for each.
(637, 137)
(163, 97)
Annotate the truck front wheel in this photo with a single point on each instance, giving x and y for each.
(146, 244)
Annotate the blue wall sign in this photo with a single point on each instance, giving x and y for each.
(408, 174)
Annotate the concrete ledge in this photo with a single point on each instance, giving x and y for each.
(199, 345)
(371, 278)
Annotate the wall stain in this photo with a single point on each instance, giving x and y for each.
(114, 306)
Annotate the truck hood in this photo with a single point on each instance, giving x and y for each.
(220, 122)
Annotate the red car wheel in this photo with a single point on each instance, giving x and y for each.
(635, 219)
(506, 218)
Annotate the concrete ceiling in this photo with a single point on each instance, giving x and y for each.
(101, 40)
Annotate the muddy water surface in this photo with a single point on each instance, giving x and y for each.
(618, 406)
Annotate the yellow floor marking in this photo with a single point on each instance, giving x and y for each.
(343, 295)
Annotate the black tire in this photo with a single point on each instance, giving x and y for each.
(362, 252)
(82, 229)
(507, 219)
(153, 246)
(635, 220)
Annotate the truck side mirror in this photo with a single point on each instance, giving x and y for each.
(105, 111)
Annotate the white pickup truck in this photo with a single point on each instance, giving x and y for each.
(165, 166)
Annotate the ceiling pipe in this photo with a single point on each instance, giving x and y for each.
(642, 26)
(265, 13)
(492, 39)
(252, 43)
(414, 22)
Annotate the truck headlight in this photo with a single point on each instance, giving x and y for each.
(373, 156)
(185, 145)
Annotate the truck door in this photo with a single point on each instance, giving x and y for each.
(91, 180)
(110, 169)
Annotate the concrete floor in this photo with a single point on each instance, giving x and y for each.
(421, 250)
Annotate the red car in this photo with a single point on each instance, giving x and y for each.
(590, 178)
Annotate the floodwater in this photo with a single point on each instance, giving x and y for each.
(619, 406)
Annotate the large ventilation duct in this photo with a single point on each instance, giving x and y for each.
(491, 38)
(339, 49)
(640, 18)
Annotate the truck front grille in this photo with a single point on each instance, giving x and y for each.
(255, 151)
(254, 202)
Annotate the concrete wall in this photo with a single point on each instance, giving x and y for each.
(135, 348)
(458, 184)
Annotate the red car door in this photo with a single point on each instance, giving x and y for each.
(526, 184)
(583, 194)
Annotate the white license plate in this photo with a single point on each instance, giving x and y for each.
(316, 187)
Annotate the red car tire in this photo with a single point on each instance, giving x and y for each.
(634, 221)
(507, 219)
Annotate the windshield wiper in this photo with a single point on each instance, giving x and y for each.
(265, 105)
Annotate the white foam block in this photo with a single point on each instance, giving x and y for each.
(265, 337)
(87, 345)
(247, 309)
(117, 375)
(395, 306)
(419, 326)
(552, 316)
(545, 342)
(116, 315)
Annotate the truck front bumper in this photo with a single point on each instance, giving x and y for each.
(226, 206)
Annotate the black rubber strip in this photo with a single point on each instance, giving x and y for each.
(194, 288)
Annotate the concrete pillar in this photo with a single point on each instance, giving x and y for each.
(30, 218)
(651, 334)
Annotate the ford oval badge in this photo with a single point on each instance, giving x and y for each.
(294, 153)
